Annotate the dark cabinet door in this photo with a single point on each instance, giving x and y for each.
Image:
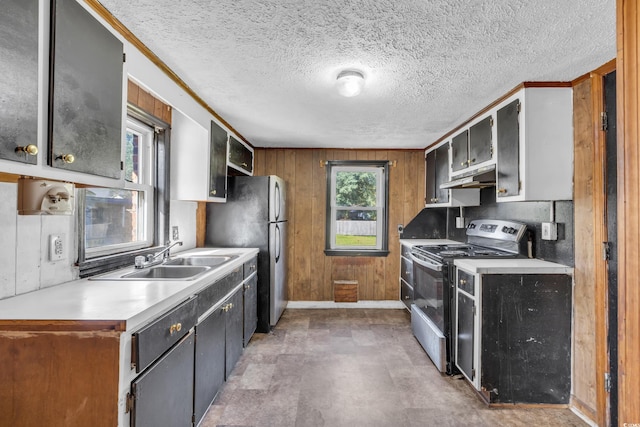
(163, 394)
(209, 362)
(430, 192)
(526, 338)
(250, 308)
(19, 82)
(480, 141)
(218, 162)
(234, 331)
(240, 155)
(442, 173)
(460, 151)
(508, 144)
(85, 111)
(464, 334)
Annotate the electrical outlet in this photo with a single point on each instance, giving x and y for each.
(175, 235)
(549, 231)
(56, 247)
(461, 222)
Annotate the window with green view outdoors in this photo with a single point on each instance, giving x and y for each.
(357, 199)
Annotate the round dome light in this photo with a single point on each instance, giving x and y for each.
(350, 83)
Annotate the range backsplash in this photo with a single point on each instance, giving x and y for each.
(530, 213)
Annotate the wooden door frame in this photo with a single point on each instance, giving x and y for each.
(628, 111)
(599, 236)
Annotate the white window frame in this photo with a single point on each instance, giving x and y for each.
(146, 193)
(381, 170)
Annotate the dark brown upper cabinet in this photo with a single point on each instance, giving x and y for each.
(240, 156)
(218, 162)
(472, 146)
(85, 93)
(19, 82)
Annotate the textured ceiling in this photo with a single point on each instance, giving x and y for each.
(268, 67)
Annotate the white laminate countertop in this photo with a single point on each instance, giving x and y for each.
(414, 242)
(511, 266)
(133, 302)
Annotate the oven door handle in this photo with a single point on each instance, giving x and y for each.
(434, 266)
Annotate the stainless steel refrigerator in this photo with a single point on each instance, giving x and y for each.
(255, 216)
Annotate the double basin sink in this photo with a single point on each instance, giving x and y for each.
(180, 268)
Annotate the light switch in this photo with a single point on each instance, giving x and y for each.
(56, 247)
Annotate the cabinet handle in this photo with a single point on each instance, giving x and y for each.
(501, 190)
(406, 297)
(463, 282)
(176, 327)
(66, 158)
(30, 149)
(244, 164)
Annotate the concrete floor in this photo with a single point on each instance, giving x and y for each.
(354, 367)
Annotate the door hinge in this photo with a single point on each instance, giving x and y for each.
(121, 166)
(519, 107)
(473, 374)
(606, 251)
(124, 57)
(607, 382)
(474, 309)
(130, 402)
(603, 121)
(491, 121)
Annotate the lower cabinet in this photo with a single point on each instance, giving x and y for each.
(250, 307)
(513, 336)
(164, 392)
(209, 361)
(233, 331)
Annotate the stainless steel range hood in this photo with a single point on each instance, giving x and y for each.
(478, 178)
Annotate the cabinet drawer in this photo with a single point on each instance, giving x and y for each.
(250, 267)
(157, 337)
(210, 296)
(405, 251)
(406, 294)
(406, 270)
(466, 282)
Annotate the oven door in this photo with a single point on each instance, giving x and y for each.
(428, 290)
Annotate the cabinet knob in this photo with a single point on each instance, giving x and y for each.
(472, 160)
(176, 327)
(30, 149)
(67, 158)
(406, 297)
(213, 192)
(463, 282)
(463, 163)
(244, 164)
(501, 190)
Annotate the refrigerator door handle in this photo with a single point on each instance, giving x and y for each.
(277, 201)
(278, 244)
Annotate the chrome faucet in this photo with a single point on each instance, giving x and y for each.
(158, 258)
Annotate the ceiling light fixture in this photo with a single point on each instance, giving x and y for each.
(350, 83)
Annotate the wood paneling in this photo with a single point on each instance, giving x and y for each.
(311, 274)
(59, 379)
(584, 341)
(628, 110)
(147, 102)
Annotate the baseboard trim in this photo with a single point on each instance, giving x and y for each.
(584, 417)
(387, 304)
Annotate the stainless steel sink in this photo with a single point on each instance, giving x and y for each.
(160, 272)
(201, 260)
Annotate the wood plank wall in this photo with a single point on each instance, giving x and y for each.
(147, 102)
(584, 360)
(628, 109)
(310, 272)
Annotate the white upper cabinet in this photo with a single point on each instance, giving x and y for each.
(534, 159)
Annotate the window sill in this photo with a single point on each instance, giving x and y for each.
(355, 252)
